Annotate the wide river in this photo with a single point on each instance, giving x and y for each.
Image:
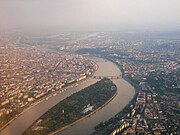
(125, 93)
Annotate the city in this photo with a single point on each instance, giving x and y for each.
(104, 67)
(32, 73)
(28, 74)
(155, 72)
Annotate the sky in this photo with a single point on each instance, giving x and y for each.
(90, 14)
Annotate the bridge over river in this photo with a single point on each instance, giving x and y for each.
(110, 77)
(125, 93)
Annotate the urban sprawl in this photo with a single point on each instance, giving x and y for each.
(151, 65)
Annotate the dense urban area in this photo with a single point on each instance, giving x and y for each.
(148, 60)
(28, 73)
(152, 67)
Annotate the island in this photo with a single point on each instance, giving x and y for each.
(74, 108)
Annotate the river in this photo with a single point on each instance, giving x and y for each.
(125, 93)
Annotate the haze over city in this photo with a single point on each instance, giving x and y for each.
(90, 14)
(89, 67)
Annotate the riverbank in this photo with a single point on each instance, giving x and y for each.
(125, 92)
(100, 128)
(71, 109)
(93, 112)
(122, 99)
(46, 97)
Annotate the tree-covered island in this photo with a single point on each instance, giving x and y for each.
(74, 107)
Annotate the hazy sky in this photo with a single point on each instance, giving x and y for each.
(90, 14)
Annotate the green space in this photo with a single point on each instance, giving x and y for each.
(73, 108)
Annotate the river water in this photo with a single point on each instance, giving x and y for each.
(84, 127)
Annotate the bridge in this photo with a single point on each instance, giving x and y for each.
(110, 77)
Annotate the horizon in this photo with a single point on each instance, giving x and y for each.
(82, 15)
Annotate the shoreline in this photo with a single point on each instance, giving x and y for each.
(89, 78)
(128, 105)
(124, 78)
(86, 116)
(98, 109)
(48, 96)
